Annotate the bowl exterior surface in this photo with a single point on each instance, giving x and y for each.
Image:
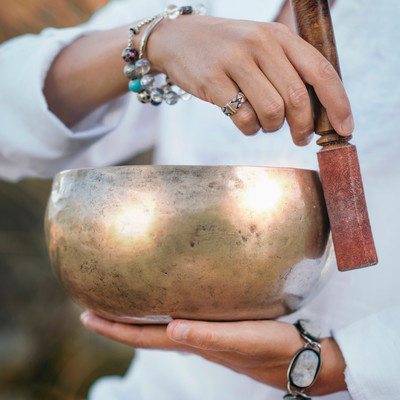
(146, 244)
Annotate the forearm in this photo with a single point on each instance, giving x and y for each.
(87, 74)
(271, 65)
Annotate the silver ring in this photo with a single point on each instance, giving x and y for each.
(230, 108)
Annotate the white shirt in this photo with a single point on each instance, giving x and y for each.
(361, 307)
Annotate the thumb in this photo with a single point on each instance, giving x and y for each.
(242, 336)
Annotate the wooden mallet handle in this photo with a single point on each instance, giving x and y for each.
(314, 25)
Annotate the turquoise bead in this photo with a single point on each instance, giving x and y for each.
(135, 86)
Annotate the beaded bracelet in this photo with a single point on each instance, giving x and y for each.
(306, 363)
(138, 68)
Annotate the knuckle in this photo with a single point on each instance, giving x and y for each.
(208, 341)
(245, 118)
(274, 110)
(326, 71)
(279, 28)
(241, 67)
(301, 125)
(259, 35)
(253, 35)
(210, 75)
(246, 121)
(297, 96)
(280, 32)
(141, 340)
(302, 133)
(140, 344)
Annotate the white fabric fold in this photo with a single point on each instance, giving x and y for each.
(365, 344)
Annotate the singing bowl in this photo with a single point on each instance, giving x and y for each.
(147, 244)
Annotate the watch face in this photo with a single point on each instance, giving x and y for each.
(309, 328)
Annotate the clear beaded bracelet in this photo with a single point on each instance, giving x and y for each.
(137, 69)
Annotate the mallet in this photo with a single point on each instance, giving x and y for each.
(338, 160)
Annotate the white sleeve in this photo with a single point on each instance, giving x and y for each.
(370, 348)
(33, 141)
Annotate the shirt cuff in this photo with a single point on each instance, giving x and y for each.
(369, 347)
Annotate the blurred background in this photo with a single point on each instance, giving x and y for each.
(44, 351)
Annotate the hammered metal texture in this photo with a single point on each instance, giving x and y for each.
(145, 244)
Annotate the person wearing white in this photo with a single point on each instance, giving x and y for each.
(361, 309)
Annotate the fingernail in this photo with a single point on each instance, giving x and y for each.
(180, 331)
(85, 318)
(348, 125)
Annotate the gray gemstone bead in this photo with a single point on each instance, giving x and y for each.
(309, 327)
(184, 95)
(147, 82)
(200, 9)
(129, 71)
(173, 12)
(142, 67)
(165, 88)
(144, 96)
(156, 97)
(186, 10)
(171, 97)
(305, 368)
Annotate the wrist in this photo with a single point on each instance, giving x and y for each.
(163, 49)
(318, 367)
(331, 377)
(160, 48)
(141, 71)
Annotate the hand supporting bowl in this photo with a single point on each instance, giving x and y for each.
(146, 244)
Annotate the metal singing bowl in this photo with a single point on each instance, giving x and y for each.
(146, 244)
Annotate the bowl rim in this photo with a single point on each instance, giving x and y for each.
(183, 166)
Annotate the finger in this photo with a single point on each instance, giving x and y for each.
(319, 73)
(259, 349)
(294, 93)
(264, 98)
(139, 336)
(245, 337)
(245, 118)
